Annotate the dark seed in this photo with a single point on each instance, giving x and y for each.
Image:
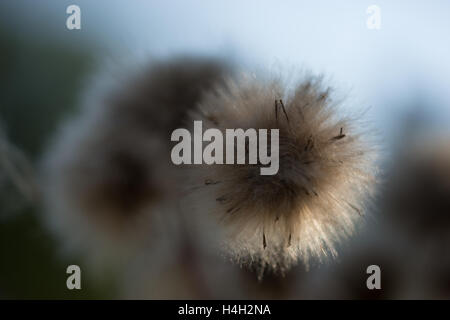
(264, 240)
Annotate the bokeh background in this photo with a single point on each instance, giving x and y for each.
(400, 74)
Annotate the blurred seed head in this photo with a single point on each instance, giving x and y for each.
(416, 203)
(108, 174)
(418, 189)
(319, 192)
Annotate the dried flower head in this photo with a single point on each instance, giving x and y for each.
(319, 192)
(417, 194)
(417, 204)
(108, 173)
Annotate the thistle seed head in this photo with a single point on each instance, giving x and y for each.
(109, 172)
(325, 173)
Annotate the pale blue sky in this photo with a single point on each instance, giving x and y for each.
(387, 69)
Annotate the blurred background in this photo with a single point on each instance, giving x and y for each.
(399, 73)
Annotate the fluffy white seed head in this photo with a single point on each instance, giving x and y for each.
(315, 199)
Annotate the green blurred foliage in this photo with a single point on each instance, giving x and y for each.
(31, 269)
(40, 81)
